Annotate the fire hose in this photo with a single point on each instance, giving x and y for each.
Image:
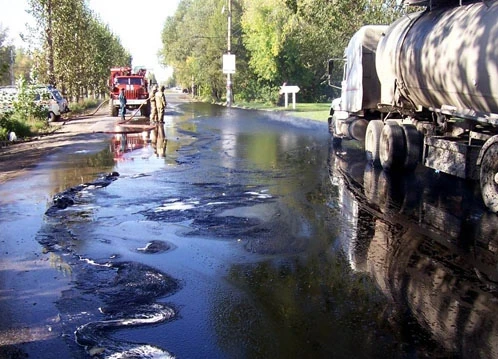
(98, 108)
(106, 101)
(134, 113)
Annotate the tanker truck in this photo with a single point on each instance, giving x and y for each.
(424, 90)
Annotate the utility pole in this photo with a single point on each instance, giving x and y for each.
(229, 45)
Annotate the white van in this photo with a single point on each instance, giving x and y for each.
(47, 96)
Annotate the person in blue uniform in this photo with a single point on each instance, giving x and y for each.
(122, 103)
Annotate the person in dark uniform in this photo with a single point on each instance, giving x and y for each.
(122, 103)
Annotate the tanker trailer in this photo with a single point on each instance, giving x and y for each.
(437, 102)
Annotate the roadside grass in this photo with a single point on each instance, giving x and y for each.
(312, 111)
(81, 107)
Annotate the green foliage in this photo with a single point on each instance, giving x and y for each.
(5, 58)
(77, 48)
(275, 41)
(10, 123)
(27, 116)
(193, 43)
(83, 105)
(264, 23)
(25, 106)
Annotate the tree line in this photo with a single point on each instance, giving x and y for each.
(274, 41)
(70, 48)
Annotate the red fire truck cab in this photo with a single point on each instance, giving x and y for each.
(136, 90)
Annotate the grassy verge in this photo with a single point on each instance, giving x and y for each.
(312, 111)
(83, 106)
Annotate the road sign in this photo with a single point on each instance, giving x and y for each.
(290, 89)
(228, 64)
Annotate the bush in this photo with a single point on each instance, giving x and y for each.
(257, 91)
(25, 106)
(81, 106)
(27, 118)
(9, 122)
(4, 135)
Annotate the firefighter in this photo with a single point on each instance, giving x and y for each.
(153, 106)
(161, 104)
(122, 103)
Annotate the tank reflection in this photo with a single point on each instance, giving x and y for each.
(432, 249)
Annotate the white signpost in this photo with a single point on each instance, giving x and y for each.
(229, 69)
(228, 64)
(287, 90)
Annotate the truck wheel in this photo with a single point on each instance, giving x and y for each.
(392, 150)
(372, 139)
(489, 177)
(413, 146)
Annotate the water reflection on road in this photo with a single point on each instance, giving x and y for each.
(245, 235)
(430, 247)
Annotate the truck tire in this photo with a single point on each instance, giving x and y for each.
(392, 147)
(413, 146)
(372, 139)
(489, 177)
(357, 129)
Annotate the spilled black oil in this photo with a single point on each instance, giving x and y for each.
(123, 294)
(246, 235)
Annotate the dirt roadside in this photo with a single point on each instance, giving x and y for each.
(17, 158)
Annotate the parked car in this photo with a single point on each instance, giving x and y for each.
(49, 97)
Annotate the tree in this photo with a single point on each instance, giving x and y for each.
(6, 58)
(264, 25)
(77, 50)
(193, 43)
(23, 64)
(274, 41)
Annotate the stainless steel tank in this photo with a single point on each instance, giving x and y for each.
(446, 56)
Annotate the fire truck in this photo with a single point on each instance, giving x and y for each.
(136, 90)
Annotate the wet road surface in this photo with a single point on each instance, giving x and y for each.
(239, 234)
